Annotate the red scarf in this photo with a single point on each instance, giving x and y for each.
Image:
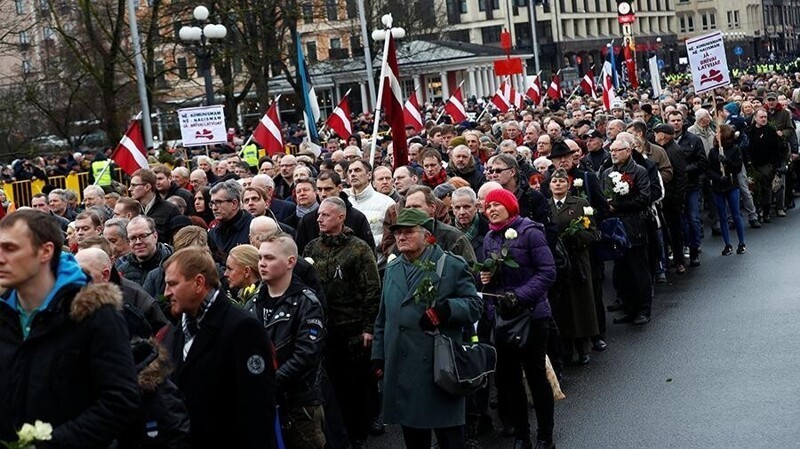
(434, 180)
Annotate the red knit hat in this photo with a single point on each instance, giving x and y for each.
(506, 198)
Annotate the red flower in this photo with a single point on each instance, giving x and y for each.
(431, 240)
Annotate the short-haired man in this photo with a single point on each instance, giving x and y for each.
(364, 198)
(116, 232)
(291, 314)
(143, 190)
(180, 176)
(167, 188)
(223, 358)
(198, 179)
(463, 165)
(94, 197)
(234, 223)
(305, 191)
(382, 182)
(59, 204)
(39, 202)
(87, 224)
(474, 225)
(66, 335)
(284, 181)
(266, 166)
(127, 208)
(348, 271)
(433, 171)
(147, 253)
(597, 157)
(282, 210)
(404, 177)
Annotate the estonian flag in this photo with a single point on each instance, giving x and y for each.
(310, 105)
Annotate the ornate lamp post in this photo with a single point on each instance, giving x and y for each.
(199, 41)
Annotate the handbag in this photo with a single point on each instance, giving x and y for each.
(513, 332)
(613, 239)
(461, 369)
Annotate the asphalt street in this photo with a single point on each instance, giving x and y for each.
(717, 367)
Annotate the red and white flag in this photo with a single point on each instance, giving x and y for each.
(131, 154)
(515, 98)
(455, 107)
(554, 90)
(535, 91)
(500, 100)
(587, 83)
(392, 104)
(411, 113)
(630, 64)
(339, 121)
(607, 84)
(268, 132)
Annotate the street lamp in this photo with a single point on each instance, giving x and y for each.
(199, 41)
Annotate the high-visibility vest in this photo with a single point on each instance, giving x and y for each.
(250, 155)
(97, 168)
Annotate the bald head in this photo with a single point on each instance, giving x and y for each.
(96, 262)
(260, 227)
(198, 179)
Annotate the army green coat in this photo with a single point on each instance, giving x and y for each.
(410, 396)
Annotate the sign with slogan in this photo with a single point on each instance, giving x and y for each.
(203, 125)
(708, 62)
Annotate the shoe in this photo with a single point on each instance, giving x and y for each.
(741, 249)
(680, 269)
(583, 359)
(600, 345)
(524, 444)
(766, 219)
(695, 262)
(641, 319)
(755, 224)
(727, 251)
(623, 319)
(541, 444)
(377, 428)
(615, 306)
(661, 278)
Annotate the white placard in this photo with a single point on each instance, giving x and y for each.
(708, 62)
(202, 126)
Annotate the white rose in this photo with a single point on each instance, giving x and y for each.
(309, 260)
(26, 434)
(578, 182)
(615, 176)
(42, 431)
(588, 211)
(623, 189)
(391, 258)
(511, 234)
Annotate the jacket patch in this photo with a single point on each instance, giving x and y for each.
(255, 364)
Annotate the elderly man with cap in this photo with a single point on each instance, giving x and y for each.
(401, 349)
(674, 193)
(597, 156)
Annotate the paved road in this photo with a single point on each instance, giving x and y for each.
(718, 367)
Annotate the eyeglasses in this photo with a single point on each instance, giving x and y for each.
(217, 203)
(618, 150)
(136, 238)
(495, 171)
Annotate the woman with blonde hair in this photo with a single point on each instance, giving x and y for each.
(241, 273)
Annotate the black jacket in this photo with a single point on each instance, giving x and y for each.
(652, 175)
(231, 233)
(134, 295)
(187, 196)
(308, 229)
(675, 190)
(632, 208)
(227, 379)
(74, 371)
(132, 269)
(732, 161)
(282, 210)
(295, 323)
(283, 190)
(472, 175)
(591, 190)
(533, 205)
(765, 147)
(696, 161)
(162, 213)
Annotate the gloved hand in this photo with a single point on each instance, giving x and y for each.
(435, 316)
(508, 305)
(377, 368)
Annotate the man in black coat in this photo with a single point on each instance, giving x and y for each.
(223, 359)
(674, 193)
(234, 223)
(64, 353)
(330, 184)
(166, 187)
(143, 189)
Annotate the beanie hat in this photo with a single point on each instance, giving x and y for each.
(732, 108)
(456, 141)
(506, 198)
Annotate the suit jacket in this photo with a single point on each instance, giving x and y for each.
(283, 210)
(227, 377)
(162, 213)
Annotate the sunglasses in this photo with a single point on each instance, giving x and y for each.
(496, 171)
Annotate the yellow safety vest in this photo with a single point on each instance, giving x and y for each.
(97, 168)
(250, 155)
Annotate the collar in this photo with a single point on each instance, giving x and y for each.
(364, 195)
(149, 205)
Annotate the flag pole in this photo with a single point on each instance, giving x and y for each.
(573, 93)
(105, 169)
(379, 99)
(442, 113)
(251, 134)
(325, 125)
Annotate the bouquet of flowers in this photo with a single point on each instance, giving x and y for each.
(29, 434)
(425, 291)
(622, 183)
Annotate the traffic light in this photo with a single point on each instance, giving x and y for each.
(625, 14)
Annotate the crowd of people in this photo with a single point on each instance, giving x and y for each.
(235, 303)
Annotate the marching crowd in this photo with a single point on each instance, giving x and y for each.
(291, 301)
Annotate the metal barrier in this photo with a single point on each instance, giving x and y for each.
(21, 192)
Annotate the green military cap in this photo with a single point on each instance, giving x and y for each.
(412, 217)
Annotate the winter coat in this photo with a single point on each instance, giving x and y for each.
(441, 213)
(231, 233)
(695, 155)
(590, 190)
(136, 296)
(373, 205)
(675, 189)
(349, 274)
(410, 397)
(282, 210)
(471, 174)
(536, 272)
(766, 146)
(633, 207)
(295, 324)
(134, 270)
(162, 420)
(227, 378)
(308, 229)
(732, 161)
(74, 370)
(533, 205)
(162, 212)
(572, 300)
(175, 190)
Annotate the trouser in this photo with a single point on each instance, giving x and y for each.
(633, 282)
(478, 402)
(511, 363)
(655, 245)
(598, 274)
(691, 219)
(446, 437)
(347, 365)
(303, 427)
(672, 214)
(710, 207)
(335, 430)
(731, 200)
(765, 175)
(745, 195)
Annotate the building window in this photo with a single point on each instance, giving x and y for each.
(24, 39)
(482, 4)
(462, 6)
(26, 66)
(332, 9)
(183, 69)
(336, 42)
(161, 79)
(491, 35)
(308, 13)
(311, 51)
(712, 19)
(20, 6)
(355, 45)
(733, 19)
(690, 24)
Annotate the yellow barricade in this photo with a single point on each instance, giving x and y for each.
(21, 192)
